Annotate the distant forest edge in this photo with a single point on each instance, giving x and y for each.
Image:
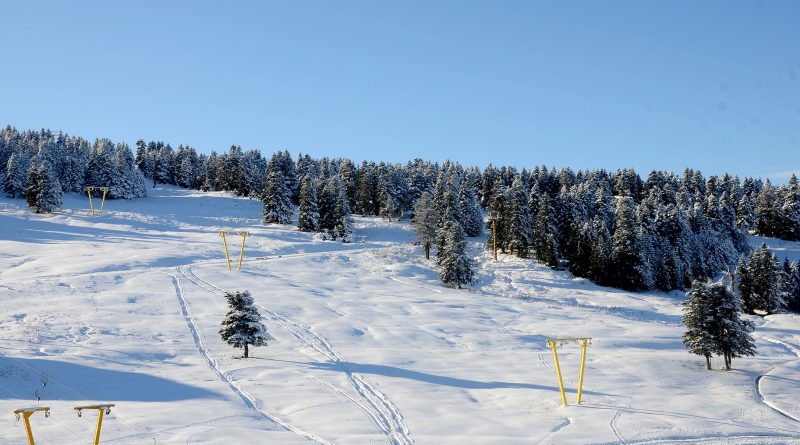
(614, 228)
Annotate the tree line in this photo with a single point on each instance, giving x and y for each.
(615, 228)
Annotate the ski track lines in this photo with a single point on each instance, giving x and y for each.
(760, 394)
(378, 407)
(248, 399)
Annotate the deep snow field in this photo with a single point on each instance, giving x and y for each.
(125, 307)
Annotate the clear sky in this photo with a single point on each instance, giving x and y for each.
(713, 85)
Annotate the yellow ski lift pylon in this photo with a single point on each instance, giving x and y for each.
(91, 189)
(104, 408)
(26, 413)
(583, 342)
(244, 234)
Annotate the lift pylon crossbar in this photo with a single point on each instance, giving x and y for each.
(244, 234)
(553, 344)
(26, 413)
(104, 408)
(92, 188)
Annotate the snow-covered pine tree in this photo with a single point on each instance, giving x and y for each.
(100, 171)
(143, 159)
(745, 216)
(44, 191)
(545, 243)
(276, 197)
(768, 215)
(186, 173)
(308, 219)
(343, 226)
(518, 217)
(790, 212)
(455, 266)
(327, 191)
(166, 167)
(626, 253)
(760, 286)
(17, 174)
(72, 175)
(793, 288)
(349, 175)
(251, 174)
(242, 325)
(699, 319)
(732, 333)
(470, 207)
(367, 195)
(424, 222)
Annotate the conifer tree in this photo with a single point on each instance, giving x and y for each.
(242, 325)
(72, 175)
(424, 222)
(343, 226)
(328, 192)
(714, 325)
(793, 288)
(44, 191)
(760, 282)
(768, 217)
(518, 219)
(626, 254)
(455, 267)
(308, 220)
(17, 174)
(276, 198)
(732, 331)
(470, 208)
(545, 243)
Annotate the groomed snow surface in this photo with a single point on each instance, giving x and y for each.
(125, 307)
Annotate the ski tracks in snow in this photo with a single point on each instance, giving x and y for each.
(248, 399)
(377, 406)
(791, 348)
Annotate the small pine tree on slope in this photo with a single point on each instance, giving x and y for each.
(242, 325)
(455, 267)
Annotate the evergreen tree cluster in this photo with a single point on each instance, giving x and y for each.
(767, 286)
(712, 316)
(771, 211)
(41, 166)
(615, 228)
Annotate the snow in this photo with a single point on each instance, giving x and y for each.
(369, 347)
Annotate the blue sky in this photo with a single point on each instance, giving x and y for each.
(713, 85)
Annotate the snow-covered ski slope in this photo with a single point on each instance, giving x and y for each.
(370, 348)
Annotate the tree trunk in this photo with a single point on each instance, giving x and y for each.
(245, 350)
(708, 362)
(427, 251)
(727, 361)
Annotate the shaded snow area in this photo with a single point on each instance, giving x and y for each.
(369, 348)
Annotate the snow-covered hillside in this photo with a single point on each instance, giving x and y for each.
(125, 308)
